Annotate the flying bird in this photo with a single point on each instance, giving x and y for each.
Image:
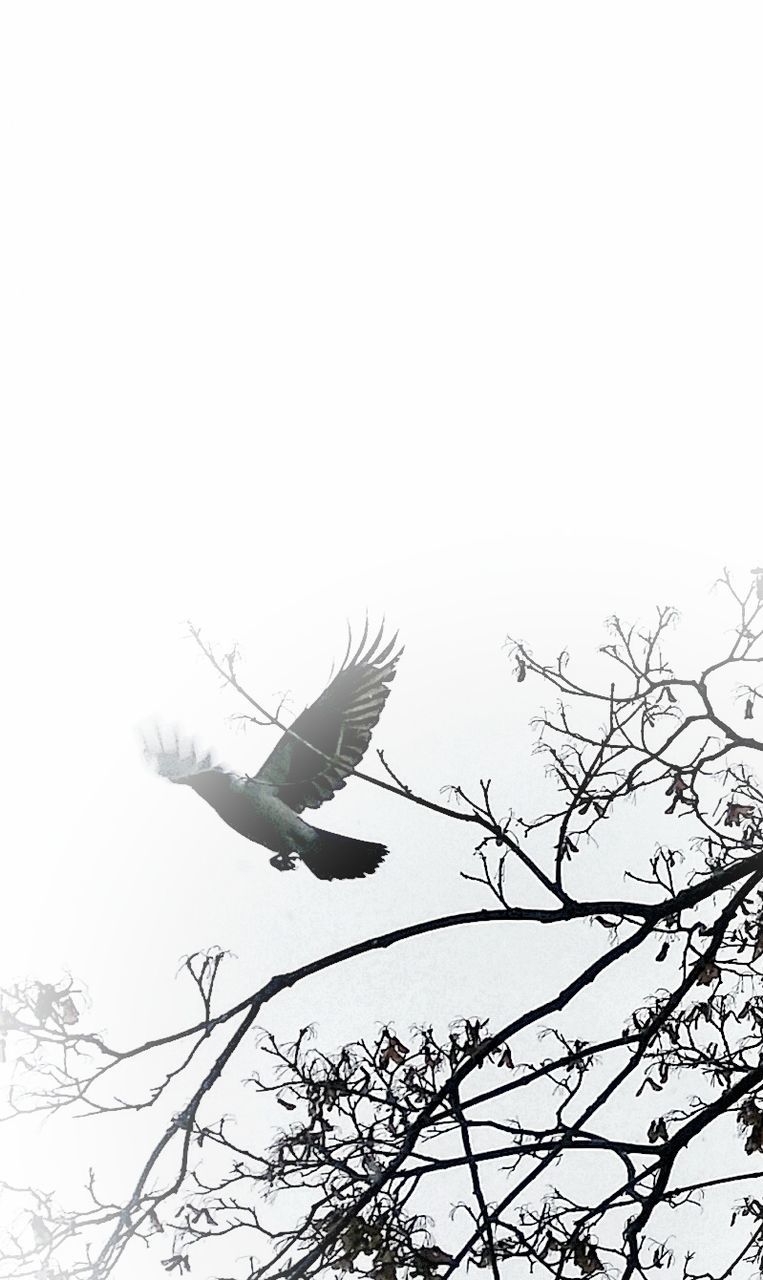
(312, 760)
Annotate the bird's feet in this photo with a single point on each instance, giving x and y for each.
(284, 861)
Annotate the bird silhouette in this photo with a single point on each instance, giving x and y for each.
(312, 761)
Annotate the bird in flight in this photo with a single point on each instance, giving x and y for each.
(312, 760)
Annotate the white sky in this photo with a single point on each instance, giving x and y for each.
(449, 312)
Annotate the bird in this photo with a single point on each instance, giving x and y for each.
(312, 761)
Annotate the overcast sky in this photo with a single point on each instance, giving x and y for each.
(446, 312)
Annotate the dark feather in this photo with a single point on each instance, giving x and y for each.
(338, 725)
(335, 857)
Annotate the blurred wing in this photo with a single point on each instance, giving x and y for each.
(173, 760)
(339, 725)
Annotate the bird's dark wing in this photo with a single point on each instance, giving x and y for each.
(338, 724)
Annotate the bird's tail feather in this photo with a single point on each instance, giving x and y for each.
(335, 857)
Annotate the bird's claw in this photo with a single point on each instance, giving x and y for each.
(284, 862)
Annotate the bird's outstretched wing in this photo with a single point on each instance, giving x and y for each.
(175, 760)
(338, 724)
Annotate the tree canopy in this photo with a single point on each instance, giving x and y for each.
(587, 1133)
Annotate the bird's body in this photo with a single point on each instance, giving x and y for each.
(311, 761)
(252, 808)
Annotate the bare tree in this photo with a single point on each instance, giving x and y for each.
(569, 1139)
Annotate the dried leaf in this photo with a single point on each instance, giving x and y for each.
(708, 974)
(46, 999)
(67, 1011)
(736, 812)
(372, 1166)
(750, 1115)
(433, 1256)
(393, 1051)
(586, 1258)
(385, 1268)
(749, 1111)
(41, 1232)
